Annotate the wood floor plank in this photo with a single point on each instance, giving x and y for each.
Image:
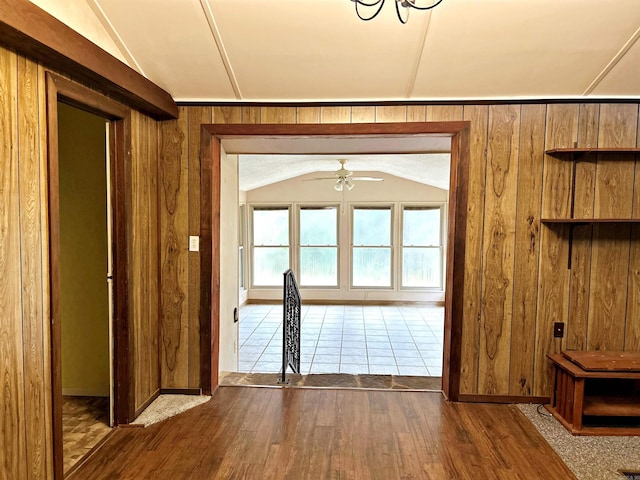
(263, 433)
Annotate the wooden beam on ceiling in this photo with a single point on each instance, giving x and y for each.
(31, 31)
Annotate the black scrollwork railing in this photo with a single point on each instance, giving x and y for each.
(291, 308)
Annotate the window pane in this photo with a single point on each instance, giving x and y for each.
(421, 227)
(319, 266)
(318, 226)
(372, 226)
(371, 267)
(271, 227)
(421, 267)
(269, 264)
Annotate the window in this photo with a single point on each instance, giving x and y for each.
(421, 247)
(371, 247)
(270, 245)
(319, 246)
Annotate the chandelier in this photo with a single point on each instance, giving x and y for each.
(401, 5)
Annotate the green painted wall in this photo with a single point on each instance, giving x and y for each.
(83, 252)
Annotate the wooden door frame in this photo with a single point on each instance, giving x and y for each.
(61, 89)
(210, 147)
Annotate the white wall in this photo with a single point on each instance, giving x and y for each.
(228, 261)
(392, 190)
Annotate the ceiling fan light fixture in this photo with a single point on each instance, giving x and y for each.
(401, 6)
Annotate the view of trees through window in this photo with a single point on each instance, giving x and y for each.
(371, 265)
(415, 261)
(270, 245)
(318, 246)
(421, 247)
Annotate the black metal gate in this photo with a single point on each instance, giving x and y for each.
(291, 307)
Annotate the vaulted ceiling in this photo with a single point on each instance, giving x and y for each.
(319, 51)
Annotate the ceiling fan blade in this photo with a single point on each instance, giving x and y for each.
(318, 178)
(367, 179)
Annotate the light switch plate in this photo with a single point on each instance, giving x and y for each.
(194, 243)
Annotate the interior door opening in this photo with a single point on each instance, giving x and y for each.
(275, 139)
(85, 233)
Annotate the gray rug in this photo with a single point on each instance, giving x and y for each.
(167, 406)
(588, 457)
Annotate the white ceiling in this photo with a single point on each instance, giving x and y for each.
(318, 50)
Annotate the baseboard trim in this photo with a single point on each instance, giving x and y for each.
(85, 392)
(502, 399)
(180, 391)
(142, 407)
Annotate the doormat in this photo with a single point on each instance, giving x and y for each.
(336, 380)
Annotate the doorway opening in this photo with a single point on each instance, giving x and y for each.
(369, 261)
(254, 139)
(88, 136)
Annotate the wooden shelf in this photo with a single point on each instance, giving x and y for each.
(587, 221)
(612, 406)
(561, 151)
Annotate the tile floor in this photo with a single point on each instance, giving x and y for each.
(389, 340)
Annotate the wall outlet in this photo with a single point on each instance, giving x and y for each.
(558, 330)
(194, 243)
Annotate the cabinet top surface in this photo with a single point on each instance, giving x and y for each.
(604, 361)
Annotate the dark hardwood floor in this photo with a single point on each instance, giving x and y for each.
(273, 433)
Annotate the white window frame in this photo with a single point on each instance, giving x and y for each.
(440, 206)
(254, 207)
(392, 275)
(299, 246)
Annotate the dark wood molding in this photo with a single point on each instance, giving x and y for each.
(473, 398)
(180, 391)
(300, 130)
(58, 88)
(210, 225)
(454, 291)
(29, 30)
(148, 402)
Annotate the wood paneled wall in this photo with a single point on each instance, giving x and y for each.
(25, 378)
(517, 281)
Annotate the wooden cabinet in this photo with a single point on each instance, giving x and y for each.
(597, 393)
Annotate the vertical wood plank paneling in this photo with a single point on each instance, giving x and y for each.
(225, 115)
(498, 254)
(309, 114)
(154, 258)
(580, 275)
(561, 131)
(610, 257)
(278, 115)
(174, 217)
(144, 227)
(525, 281)
(478, 116)
(13, 451)
(395, 113)
(416, 113)
(31, 260)
(135, 262)
(632, 328)
(197, 117)
(363, 114)
(46, 310)
(444, 113)
(335, 115)
(250, 114)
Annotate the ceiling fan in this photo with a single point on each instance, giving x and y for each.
(344, 177)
